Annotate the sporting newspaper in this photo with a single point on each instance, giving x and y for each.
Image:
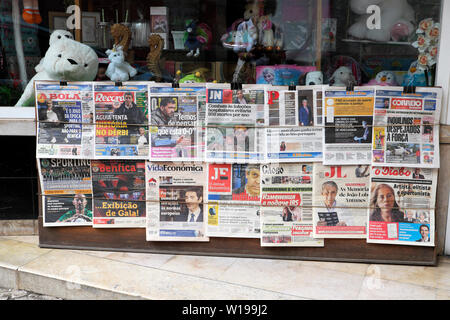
(176, 120)
(348, 119)
(175, 194)
(119, 193)
(67, 192)
(406, 127)
(295, 124)
(65, 120)
(402, 206)
(286, 206)
(235, 121)
(341, 199)
(121, 121)
(233, 200)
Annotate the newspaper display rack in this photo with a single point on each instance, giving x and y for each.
(233, 200)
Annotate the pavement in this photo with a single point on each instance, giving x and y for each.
(13, 294)
(41, 273)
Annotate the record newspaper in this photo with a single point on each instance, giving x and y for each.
(65, 120)
(406, 129)
(286, 206)
(66, 192)
(295, 124)
(175, 206)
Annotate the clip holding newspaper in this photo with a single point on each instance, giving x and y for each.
(119, 193)
(296, 117)
(232, 119)
(406, 127)
(286, 206)
(348, 120)
(341, 198)
(233, 200)
(121, 120)
(402, 206)
(67, 192)
(176, 122)
(175, 206)
(65, 120)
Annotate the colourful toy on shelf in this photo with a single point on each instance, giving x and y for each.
(383, 78)
(197, 35)
(30, 12)
(396, 20)
(118, 69)
(415, 76)
(65, 60)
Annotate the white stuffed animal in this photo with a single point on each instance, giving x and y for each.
(394, 13)
(118, 69)
(314, 78)
(66, 60)
(342, 77)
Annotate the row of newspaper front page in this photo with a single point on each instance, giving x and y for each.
(288, 167)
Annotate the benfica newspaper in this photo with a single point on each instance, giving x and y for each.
(121, 121)
(406, 128)
(233, 200)
(235, 121)
(348, 119)
(176, 133)
(119, 193)
(341, 199)
(175, 206)
(294, 132)
(65, 120)
(402, 206)
(67, 192)
(286, 206)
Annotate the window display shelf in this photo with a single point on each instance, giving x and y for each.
(17, 121)
(397, 43)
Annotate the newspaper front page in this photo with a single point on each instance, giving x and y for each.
(406, 128)
(233, 200)
(176, 122)
(402, 206)
(119, 193)
(121, 121)
(175, 206)
(65, 120)
(295, 131)
(66, 192)
(341, 198)
(286, 206)
(348, 120)
(232, 119)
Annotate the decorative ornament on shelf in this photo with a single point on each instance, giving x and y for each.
(156, 44)
(427, 44)
(118, 68)
(196, 36)
(122, 36)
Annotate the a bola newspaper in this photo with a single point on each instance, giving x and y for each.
(65, 120)
(66, 192)
(286, 206)
(121, 121)
(402, 206)
(348, 119)
(295, 131)
(235, 121)
(175, 206)
(406, 128)
(176, 119)
(119, 193)
(341, 198)
(233, 200)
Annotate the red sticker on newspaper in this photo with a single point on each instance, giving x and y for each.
(219, 178)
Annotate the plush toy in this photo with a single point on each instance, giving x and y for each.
(65, 60)
(342, 77)
(196, 36)
(397, 18)
(118, 69)
(415, 76)
(196, 76)
(383, 78)
(314, 78)
(30, 12)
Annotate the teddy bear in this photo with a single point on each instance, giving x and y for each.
(342, 77)
(314, 78)
(118, 69)
(396, 16)
(65, 60)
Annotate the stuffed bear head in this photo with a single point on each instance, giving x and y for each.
(58, 35)
(70, 60)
